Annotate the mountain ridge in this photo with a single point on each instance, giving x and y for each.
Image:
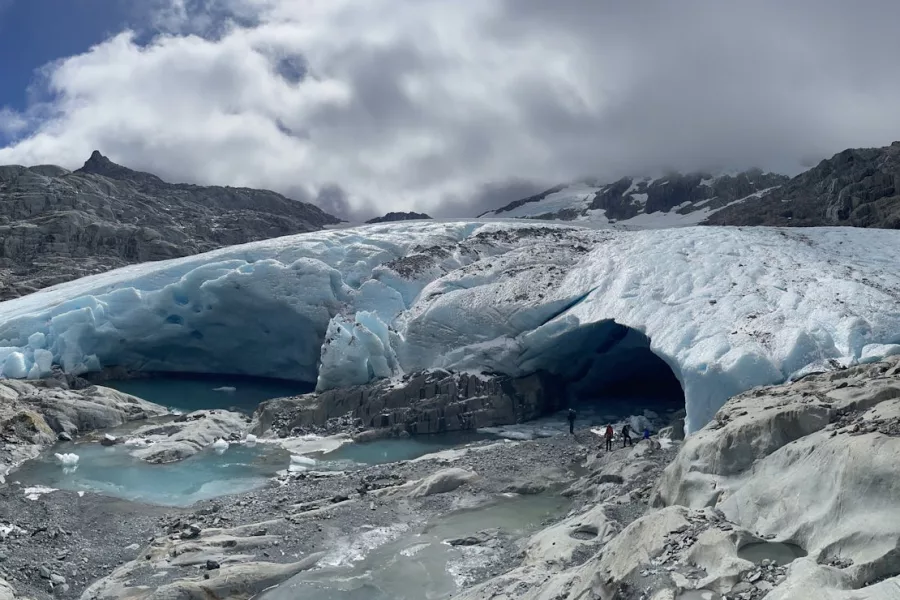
(57, 225)
(857, 187)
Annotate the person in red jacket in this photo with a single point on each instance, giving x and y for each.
(609, 437)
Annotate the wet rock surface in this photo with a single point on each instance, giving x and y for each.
(432, 402)
(262, 537)
(36, 414)
(660, 520)
(186, 435)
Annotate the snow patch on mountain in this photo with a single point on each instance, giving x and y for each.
(675, 200)
(726, 308)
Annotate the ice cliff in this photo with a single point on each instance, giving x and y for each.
(726, 308)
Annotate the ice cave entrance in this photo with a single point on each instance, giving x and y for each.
(610, 373)
(186, 392)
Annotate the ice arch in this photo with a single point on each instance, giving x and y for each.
(604, 360)
(727, 309)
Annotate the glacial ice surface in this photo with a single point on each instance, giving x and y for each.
(726, 308)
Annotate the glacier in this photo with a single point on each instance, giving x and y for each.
(727, 309)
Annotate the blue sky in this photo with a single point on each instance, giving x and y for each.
(35, 32)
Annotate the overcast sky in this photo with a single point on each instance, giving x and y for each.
(454, 107)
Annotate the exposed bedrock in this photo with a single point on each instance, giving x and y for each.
(424, 403)
(813, 463)
(34, 414)
(790, 493)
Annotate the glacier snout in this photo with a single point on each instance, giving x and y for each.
(725, 309)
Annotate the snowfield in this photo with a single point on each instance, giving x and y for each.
(726, 308)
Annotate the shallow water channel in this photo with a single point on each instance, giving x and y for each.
(112, 471)
(416, 563)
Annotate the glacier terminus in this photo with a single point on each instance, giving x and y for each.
(726, 308)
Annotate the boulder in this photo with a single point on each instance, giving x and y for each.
(188, 435)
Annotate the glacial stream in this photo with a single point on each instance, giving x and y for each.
(416, 562)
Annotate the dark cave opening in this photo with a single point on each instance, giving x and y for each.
(609, 370)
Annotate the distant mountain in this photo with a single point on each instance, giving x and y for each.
(57, 225)
(399, 216)
(859, 187)
(672, 200)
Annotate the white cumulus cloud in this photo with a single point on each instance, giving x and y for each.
(377, 105)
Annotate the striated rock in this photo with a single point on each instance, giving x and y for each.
(431, 402)
(440, 482)
(57, 225)
(6, 591)
(230, 568)
(830, 444)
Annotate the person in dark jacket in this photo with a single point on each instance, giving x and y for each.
(609, 437)
(646, 433)
(571, 419)
(626, 435)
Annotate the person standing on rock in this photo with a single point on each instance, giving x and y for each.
(609, 437)
(571, 419)
(626, 435)
(646, 433)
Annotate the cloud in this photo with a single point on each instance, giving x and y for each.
(446, 107)
(11, 123)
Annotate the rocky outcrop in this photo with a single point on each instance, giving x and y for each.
(33, 414)
(858, 187)
(57, 225)
(399, 216)
(812, 463)
(629, 197)
(790, 493)
(224, 554)
(431, 402)
(188, 434)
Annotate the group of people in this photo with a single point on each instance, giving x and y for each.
(609, 434)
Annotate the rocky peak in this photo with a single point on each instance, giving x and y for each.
(857, 187)
(399, 216)
(98, 164)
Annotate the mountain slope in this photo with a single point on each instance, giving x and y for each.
(57, 225)
(643, 203)
(399, 216)
(859, 187)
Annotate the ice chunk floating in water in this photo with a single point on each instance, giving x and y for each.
(725, 308)
(67, 460)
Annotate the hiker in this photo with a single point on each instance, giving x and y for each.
(626, 435)
(609, 437)
(646, 433)
(571, 418)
